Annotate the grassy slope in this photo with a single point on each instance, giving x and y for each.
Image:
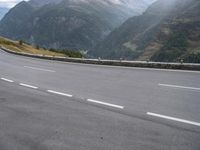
(15, 46)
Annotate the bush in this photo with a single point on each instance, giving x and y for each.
(37, 47)
(21, 42)
(69, 53)
(74, 54)
(192, 58)
(167, 55)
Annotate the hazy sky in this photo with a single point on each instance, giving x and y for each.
(9, 3)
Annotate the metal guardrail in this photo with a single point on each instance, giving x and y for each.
(142, 64)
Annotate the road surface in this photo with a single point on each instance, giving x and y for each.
(50, 105)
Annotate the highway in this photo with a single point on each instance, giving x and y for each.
(51, 105)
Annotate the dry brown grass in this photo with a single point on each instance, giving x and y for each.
(15, 46)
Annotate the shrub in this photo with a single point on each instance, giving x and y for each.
(69, 53)
(192, 58)
(37, 47)
(21, 42)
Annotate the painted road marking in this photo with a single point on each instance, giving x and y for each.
(104, 103)
(59, 93)
(178, 86)
(7, 80)
(174, 119)
(29, 86)
(40, 69)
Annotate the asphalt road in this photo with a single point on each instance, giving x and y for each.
(50, 105)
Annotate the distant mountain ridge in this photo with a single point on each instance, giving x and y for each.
(3, 11)
(169, 30)
(72, 24)
(40, 3)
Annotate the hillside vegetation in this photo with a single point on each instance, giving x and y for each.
(70, 24)
(168, 31)
(20, 46)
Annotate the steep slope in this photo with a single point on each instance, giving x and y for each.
(73, 24)
(168, 31)
(40, 3)
(15, 20)
(19, 46)
(3, 11)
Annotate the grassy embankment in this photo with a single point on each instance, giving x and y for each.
(20, 46)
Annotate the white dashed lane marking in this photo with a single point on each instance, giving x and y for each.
(40, 69)
(174, 119)
(28, 86)
(118, 106)
(179, 86)
(7, 80)
(59, 93)
(104, 103)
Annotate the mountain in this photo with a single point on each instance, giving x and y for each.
(3, 11)
(40, 3)
(169, 30)
(72, 24)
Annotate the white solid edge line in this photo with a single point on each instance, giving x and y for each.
(29, 86)
(173, 119)
(7, 80)
(41, 69)
(178, 86)
(104, 103)
(59, 93)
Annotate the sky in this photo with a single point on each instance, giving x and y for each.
(9, 3)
